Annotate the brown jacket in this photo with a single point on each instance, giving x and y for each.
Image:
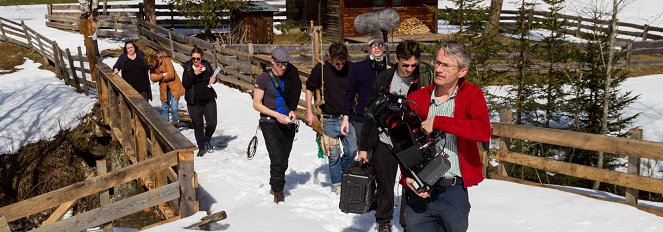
(87, 27)
(167, 78)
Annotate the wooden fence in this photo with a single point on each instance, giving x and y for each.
(150, 143)
(64, 61)
(633, 147)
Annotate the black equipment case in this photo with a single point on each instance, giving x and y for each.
(357, 189)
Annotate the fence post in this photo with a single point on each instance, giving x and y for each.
(56, 62)
(506, 116)
(77, 84)
(631, 197)
(49, 9)
(41, 50)
(27, 35)
(83, 78)
(645, 32)
(251, 61)
(629, 54)
(578, 25)
(172, 47)
(104, 196)
(185, 177)
(2, 30)
(141, 11)
(172, 17)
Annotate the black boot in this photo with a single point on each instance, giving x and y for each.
(208, 144)
(384, 227)
(201, 149)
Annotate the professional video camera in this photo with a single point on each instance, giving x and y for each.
(413, 149)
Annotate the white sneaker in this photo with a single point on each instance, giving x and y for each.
(337, 189)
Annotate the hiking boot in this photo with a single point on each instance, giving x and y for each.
(278, 197)
(337, 189)
(209, 146)
(200, 153)
(384, 227)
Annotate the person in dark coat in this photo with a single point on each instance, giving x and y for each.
(361, 78)
(133, 69)
(200, 99)
(276, 96)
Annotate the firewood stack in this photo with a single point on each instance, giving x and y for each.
(411, 26)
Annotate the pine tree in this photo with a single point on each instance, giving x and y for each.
(208, 14)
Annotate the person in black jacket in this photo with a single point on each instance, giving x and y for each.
(361, 78)
(334, 75)
(402, 80)
(276, 96)
(133, 69)
(200, 99)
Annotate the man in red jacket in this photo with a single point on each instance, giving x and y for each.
(457, 108)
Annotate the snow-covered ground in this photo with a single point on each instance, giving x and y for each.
(230, 182)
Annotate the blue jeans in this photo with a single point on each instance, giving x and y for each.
(332, 128)
(447, 210)
(171, 105)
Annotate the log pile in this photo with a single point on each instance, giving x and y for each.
(411, 26)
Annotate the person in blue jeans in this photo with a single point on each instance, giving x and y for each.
(332, 78)
(170, 86)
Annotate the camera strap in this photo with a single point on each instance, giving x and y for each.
(277, 86)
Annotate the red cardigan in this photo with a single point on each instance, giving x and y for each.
(470, 124)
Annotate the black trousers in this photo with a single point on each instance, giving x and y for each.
(278, 140)
(198, 111)
(385, 166)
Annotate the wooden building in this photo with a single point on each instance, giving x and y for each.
(337, 16)
(256, 22)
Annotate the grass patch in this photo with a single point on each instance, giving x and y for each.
(292, 38)
(12, 55)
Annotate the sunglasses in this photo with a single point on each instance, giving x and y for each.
(281, 64)
(377, 45)
(408, 65)
(196, 58)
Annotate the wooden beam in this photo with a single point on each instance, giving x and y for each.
(215, 217)
(586, 141)
(4, 227)
(631, 196)
(104, 196)
(81, 189)
(62, 209)
(115, 210)
(581, 171)
(185, 178)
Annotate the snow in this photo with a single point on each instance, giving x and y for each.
(34, 105)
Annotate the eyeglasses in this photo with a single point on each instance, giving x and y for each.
(196, 58)
(281, 64)
(444, 66)
(377, 45)
(408, 65)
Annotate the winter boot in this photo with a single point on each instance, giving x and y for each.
(201, 149)
(278, 196)
(208, 144)
(384, 227)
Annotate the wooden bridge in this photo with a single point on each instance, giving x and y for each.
(162, 159)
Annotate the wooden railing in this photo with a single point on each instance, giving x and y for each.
(633, 147)
(63, 60)
(151, 144)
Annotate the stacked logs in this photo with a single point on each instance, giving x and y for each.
(411, 26)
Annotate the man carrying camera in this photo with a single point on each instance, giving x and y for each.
(457, 108)
(402, 80)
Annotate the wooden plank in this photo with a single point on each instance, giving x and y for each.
(586, 141)
(581, 171)
(104, 196)
(83, 77)
(77, 82)
(4, 227)
(81, 189)
(115, 210)
(185, 179)
(215, 217)
(2, 30)
(62, 209)
(141, 139)
(56, 61)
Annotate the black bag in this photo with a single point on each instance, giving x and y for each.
(358, 189)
